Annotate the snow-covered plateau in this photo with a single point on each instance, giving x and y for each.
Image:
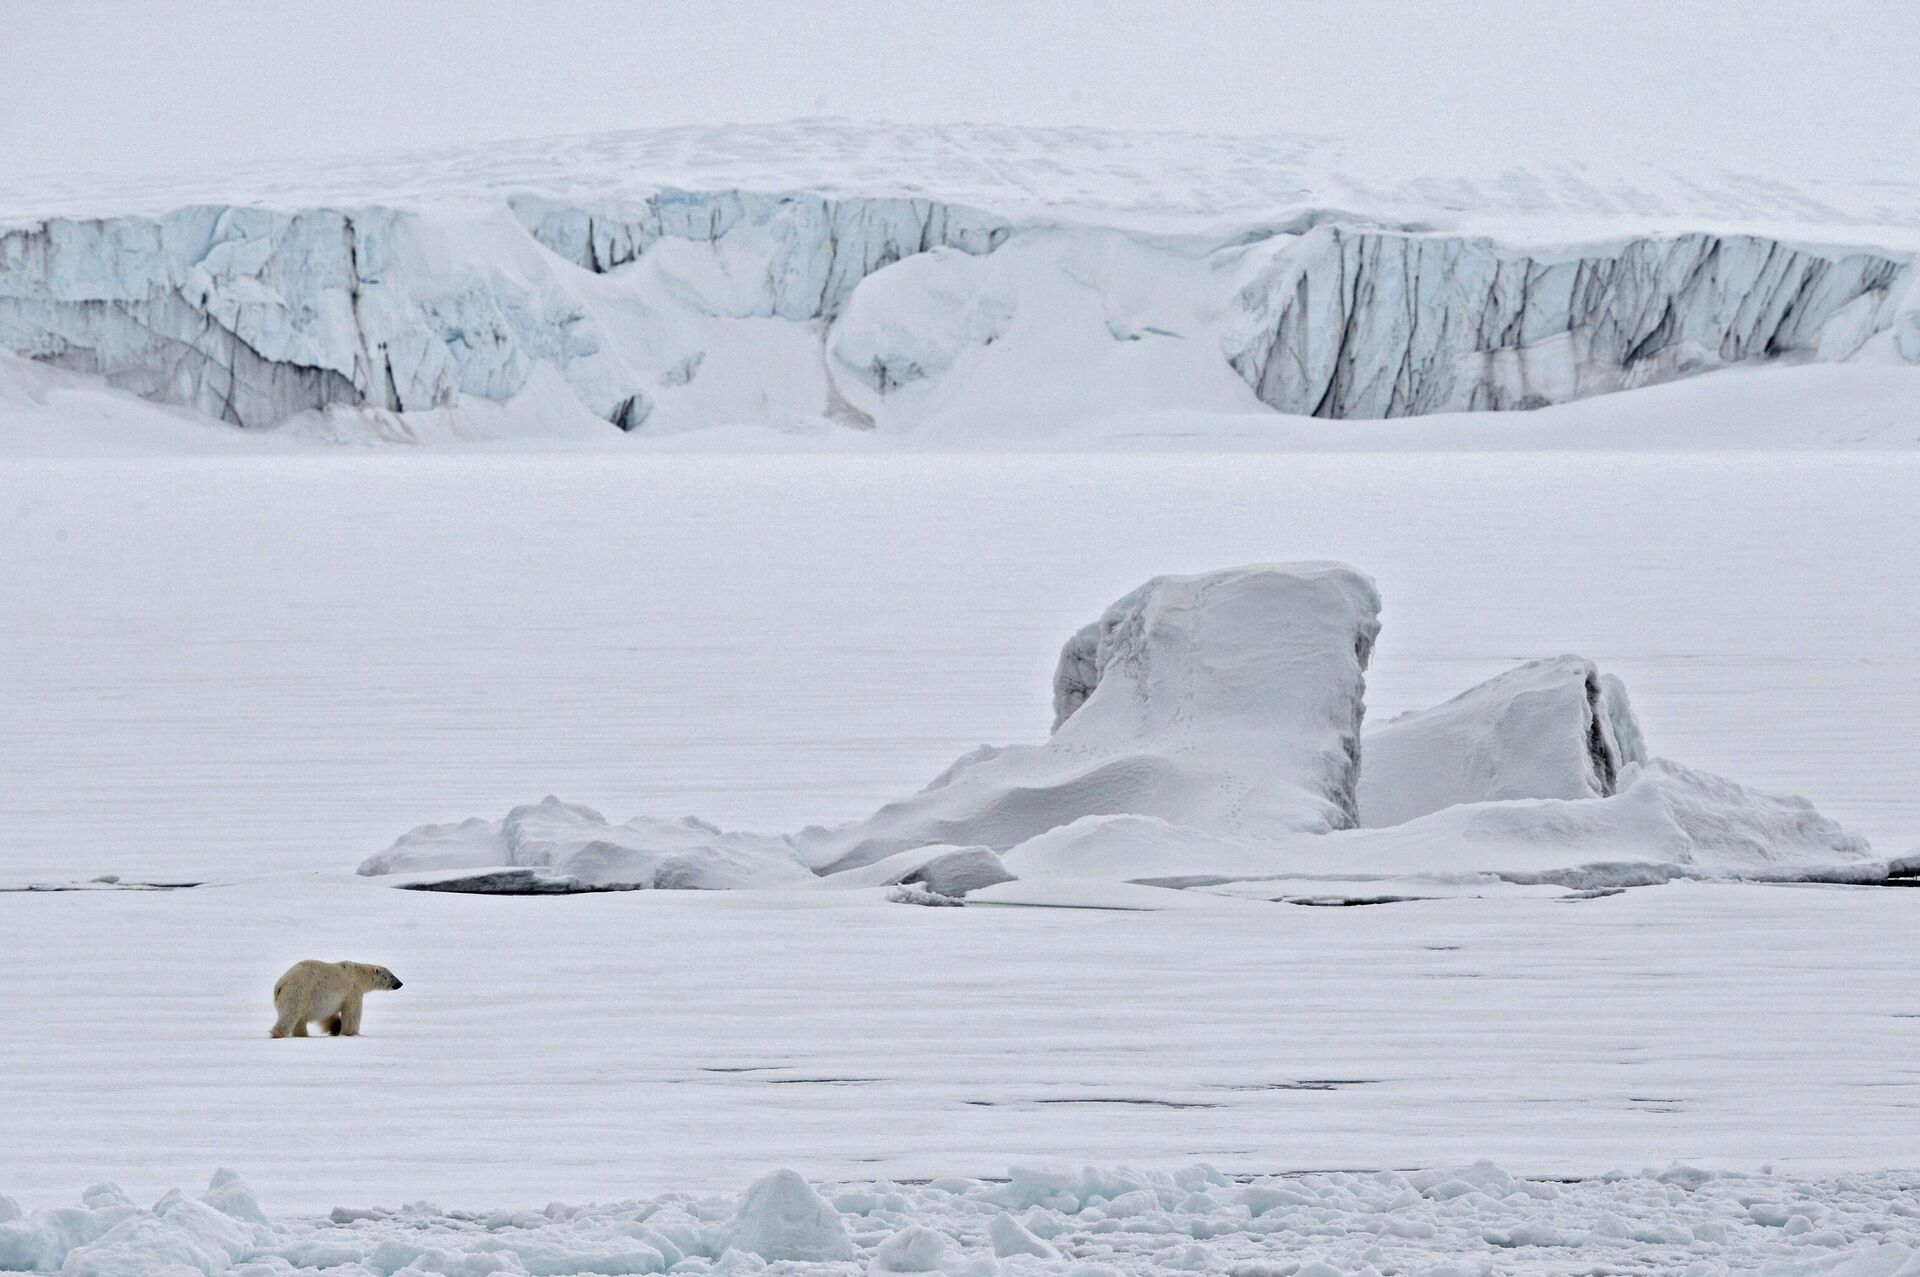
(617, 282)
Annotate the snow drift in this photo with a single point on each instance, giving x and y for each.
(1208, 731)
(667, 307)
(1664, 822)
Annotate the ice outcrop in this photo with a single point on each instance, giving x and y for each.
(700, 307)
(1208, 731)
(1556, 728)
(1229, 702)
(582, 848)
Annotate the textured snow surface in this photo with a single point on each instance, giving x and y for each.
(1462, 1222)
(525, 301)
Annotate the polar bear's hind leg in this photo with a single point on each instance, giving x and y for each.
(286, 1013)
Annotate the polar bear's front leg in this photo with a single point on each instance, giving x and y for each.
(300, 1027)
(350, 1016)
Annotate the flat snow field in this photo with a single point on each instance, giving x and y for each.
(246, 669)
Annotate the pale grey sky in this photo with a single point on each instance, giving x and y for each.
(1813, 87)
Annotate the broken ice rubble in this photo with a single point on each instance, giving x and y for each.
(1043, 1221)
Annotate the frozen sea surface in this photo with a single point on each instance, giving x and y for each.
(250, 669)
(220, 666)
(591, 1048)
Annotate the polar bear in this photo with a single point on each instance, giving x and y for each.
(329, 992)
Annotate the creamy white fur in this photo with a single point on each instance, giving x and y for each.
(329, 993)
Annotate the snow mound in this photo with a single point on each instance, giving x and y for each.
(782, 1217)
(914, 1249)
(1478, 1220)
(1550, 729)
(1229, 702)
(579, 844)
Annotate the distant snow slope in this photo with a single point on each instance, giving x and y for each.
(894, 277)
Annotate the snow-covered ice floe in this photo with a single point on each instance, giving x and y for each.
(626, 295)
(1208, 734)
(1088, 1222)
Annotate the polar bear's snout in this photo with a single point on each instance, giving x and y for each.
(327, 992)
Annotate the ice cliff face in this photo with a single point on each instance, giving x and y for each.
(690, 308)
(1368, 324)
(253, 316)
(813, 251)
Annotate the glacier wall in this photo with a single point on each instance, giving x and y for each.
(254, 316)
(693, 308)
(1370, 324)
(813, 250)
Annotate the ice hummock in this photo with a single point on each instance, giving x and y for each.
(783, 1218)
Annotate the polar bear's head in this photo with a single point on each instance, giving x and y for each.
(372, 977)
